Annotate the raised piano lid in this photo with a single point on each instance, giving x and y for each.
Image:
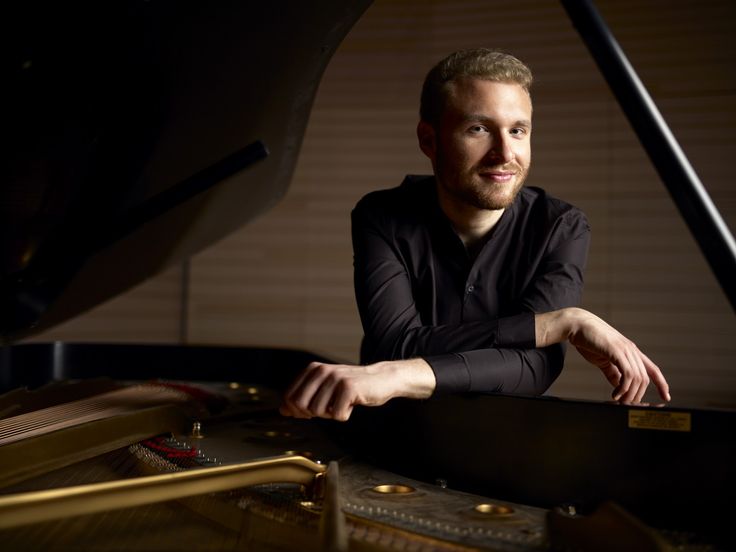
(142, 132)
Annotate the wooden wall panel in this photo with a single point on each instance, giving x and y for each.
(149, 313)
(286, 279)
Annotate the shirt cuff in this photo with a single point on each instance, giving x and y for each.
(517, 332)
(451, 374)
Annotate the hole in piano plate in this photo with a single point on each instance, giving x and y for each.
(249, 389)
(393, 489)
(493, 510)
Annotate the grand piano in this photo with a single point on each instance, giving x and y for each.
(435, 475)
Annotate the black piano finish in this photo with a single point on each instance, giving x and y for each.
(37, 364)
(551, 452)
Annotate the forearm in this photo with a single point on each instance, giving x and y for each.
(410, 339)
(492, 356)
(513, 332)
(411, 378)
(524, 371)
(557, 326)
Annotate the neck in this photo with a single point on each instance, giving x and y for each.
(470, 223)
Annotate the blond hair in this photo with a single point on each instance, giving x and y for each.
(481, 63)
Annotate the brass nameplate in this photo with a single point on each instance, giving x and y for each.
(664, 421)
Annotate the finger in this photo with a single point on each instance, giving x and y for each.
(624, 384)
(299, 380)
(322, 400)
(344, 414)
(657, 378)
(634, 378)
(295, 392)
(612, 374)
(634, 374)
(639, 395)
(642, 376)
(644, 385)
(294, 401)
(287, 410)
(345, 399)
(641, 389)
(300, 397)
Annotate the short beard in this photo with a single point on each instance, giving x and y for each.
(493, 196)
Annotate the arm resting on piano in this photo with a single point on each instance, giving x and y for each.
(332, 390)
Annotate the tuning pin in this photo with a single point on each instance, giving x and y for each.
(197, 431)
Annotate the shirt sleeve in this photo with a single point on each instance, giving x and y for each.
(489, 355)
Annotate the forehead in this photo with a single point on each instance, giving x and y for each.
(472, 96)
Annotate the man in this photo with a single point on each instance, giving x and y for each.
(467, 281)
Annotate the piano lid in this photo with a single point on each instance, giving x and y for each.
(141, 132)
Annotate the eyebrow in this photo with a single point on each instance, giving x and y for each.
(481, 118)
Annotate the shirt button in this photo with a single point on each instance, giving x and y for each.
(471, 288)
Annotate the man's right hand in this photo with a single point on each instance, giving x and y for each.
(333, 390)
(625, 367)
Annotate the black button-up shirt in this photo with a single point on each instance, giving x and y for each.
(420, 294)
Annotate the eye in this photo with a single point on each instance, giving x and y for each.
(518, 131)
(477, 129)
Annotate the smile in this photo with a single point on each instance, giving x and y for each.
(498, 176)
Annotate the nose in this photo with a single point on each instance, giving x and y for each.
(500, 151)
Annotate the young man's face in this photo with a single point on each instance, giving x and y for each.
(481, 148)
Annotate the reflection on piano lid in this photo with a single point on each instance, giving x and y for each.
(145, 130)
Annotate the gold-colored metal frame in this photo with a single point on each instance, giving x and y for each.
(38, 506)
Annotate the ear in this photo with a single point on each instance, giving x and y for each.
(427, 139)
